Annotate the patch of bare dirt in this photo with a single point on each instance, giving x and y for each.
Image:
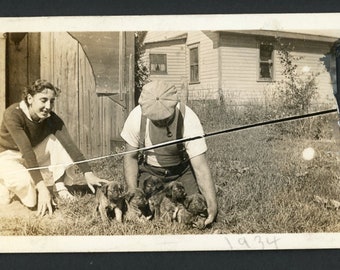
(15, 209)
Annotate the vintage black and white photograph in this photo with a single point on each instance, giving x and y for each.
(228, 135)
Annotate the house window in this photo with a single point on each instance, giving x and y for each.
(158, 64)
(266, 62)
(194, 67)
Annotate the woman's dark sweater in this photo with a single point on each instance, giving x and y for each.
(19, 133)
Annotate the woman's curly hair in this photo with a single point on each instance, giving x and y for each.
(39, 86)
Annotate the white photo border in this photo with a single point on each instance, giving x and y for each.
(313, 23)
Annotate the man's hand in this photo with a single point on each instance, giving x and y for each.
(93, 180)
(206, 185)
(211, 216)
(44, 199)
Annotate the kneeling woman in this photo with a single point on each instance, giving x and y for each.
(32, 136)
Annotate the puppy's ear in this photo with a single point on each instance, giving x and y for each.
(168, 189)
(159, 184)
(144, 184)
(121, 188)
(187, 201)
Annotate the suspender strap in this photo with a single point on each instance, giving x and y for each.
(141, 143)
(142, 132)
(179, 132)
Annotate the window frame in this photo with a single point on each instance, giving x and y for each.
(165, 63)
(271, 62)
(193, 47)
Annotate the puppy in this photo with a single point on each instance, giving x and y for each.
(152, 185)
(176, 192)
(193, 211)
(167, 209)
(183, 216)
(137, 205)
(110, 202)
(163, 203)
(196, 204)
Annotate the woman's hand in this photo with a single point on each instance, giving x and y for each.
(93, 180)
(44, 199)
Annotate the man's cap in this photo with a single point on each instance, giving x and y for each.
(158, 100)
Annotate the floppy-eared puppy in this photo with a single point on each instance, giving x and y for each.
(175, 191)
(193, 211)
(110, 201)
(152, 185)
(196, 204)
(137, 205)
(183, 216)
(166, 200)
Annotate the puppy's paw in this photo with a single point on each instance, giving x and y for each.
(199, 223)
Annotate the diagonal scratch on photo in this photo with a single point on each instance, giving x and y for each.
(169, 132)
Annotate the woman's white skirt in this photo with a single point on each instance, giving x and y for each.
(15, 178)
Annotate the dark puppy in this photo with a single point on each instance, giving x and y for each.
(137, 205)
(110, 201)
(152, 185)
(176, 192)
(163, 203)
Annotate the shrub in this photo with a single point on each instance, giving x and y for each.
(295, 92)
(293, 95)
(141, 71)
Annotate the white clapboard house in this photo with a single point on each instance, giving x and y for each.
(240, 65)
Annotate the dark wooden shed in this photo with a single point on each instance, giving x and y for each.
(94, 71)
